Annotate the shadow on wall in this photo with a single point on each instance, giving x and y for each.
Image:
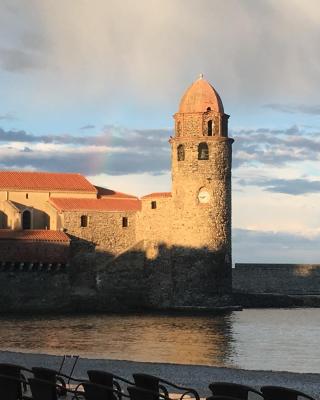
(144, 277)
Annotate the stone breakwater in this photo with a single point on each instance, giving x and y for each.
(194, 376)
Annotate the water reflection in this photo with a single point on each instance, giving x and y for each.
(252, 339)
(183, 339)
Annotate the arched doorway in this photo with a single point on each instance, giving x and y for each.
(26, 220)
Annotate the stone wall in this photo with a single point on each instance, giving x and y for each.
(104, 229)
(288, 279)
(155, 224)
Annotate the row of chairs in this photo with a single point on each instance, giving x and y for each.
(38, 383)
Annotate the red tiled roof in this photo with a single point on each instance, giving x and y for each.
(104, 204)
(34, 235)
(157, 194)
(104, 192)
(22, 180)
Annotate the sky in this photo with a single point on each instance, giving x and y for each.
(90, 86)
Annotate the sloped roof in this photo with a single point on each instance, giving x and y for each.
(157, 195)
(104, 192)
(21, 180)
(34, 235)
(103, 204)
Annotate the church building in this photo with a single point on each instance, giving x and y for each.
(40, 211)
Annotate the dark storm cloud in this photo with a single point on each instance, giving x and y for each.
(295, 108)
(286, 186)
(280, 247)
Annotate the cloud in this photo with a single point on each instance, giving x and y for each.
(18, 60)
(117, 151)
(7, 117)
(278, 147)
(295, 108)
(89, 126)
(286, 186)
(155, 47)
(274, 247)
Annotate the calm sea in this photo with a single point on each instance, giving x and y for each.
(281, 339)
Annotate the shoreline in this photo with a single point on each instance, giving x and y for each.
(195, 376)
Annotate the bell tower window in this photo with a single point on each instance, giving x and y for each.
(180, 152)
(203, 151)
(210, 127)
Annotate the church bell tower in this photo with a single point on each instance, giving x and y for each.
(201, 178)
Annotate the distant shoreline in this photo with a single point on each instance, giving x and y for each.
(196, 376)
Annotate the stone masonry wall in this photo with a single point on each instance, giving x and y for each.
(199, 224)
(104, 229)
(286, 279)
(155, 225)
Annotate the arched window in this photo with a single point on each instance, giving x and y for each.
(180, 151)
(84, 221)
(210, 127)
(203, 151)
(209, 109)
(26, 220)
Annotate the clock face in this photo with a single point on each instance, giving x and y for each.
(203, 196)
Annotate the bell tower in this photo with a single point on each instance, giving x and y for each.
(201, 178)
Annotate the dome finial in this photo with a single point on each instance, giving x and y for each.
(201, 76)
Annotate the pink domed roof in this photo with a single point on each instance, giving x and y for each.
(199, 97)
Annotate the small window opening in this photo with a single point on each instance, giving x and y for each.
(153, 205)
(210, 128)
(178, 127)
(27, 195)
(84, 221)
(124, 222)
(26, 220)
(209, 109)
(203, 151)
(180, 151)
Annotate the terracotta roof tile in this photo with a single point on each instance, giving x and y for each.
(21, 180)
(104, 192)
(34, 235)
(104, 204)
(157, 195)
